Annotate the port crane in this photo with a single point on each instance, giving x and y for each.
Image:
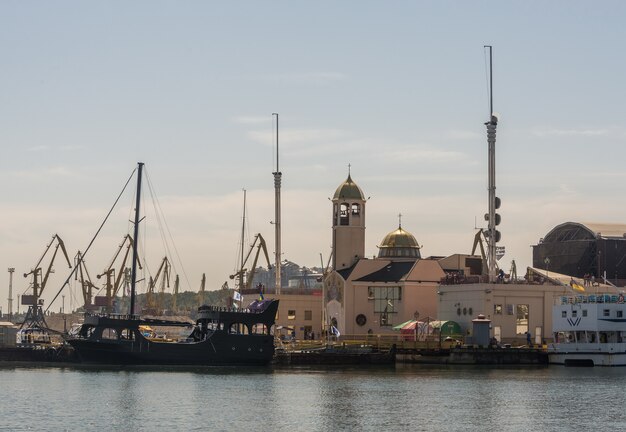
(155, 306)
(250, 273)
(35, 317)
(86, 285)
(114, 275)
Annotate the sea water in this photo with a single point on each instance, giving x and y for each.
(404, 398)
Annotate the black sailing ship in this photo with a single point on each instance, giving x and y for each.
(220, 336)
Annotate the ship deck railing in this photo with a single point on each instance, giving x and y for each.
(114, 316)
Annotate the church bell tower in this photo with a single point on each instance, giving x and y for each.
(348, 224)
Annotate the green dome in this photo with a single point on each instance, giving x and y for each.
(399, 243)
(349, 190)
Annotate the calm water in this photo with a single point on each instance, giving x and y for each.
(415, 398)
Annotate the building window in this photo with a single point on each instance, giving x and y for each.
(584, 312)
(606, 313)
(574, 314)
(564, 314)
(521, 318)
(620, 313)
(291, 315)
(308, 315)
(385, 299)
(497, 309)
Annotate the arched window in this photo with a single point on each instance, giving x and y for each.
(356, 209)
(343, 214)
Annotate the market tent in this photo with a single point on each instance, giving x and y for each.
(423, 329)
(447, 328)
(400, 326)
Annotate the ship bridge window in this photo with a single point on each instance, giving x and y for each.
(127, 334)
(574, 313)
(260, 329)
(86, 331)
(606, 312)
(563, 314)
(584, 312)
(238, 328)
(620, 313)
(109, 333)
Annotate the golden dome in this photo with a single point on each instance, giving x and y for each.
(399, 243)
(349, 190)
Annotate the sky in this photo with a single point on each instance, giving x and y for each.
(397, 90)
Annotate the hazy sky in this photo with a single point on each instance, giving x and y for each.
(396, 89)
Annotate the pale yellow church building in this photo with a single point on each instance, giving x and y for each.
(371, 296)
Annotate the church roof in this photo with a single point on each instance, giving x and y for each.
(399, 238)
(392, 272)
(349, 190)
(399, 244)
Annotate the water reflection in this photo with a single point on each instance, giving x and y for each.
(313, 399)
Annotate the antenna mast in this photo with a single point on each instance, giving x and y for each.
(493, 235)
(277, 180)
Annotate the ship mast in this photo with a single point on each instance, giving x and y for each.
(133, 277)
(493, 235)
(277, 180)
(243, 237)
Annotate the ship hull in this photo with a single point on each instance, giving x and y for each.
(228, 350)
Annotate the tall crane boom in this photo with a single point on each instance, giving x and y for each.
(115, 275)
(34, 316)
(250, 273)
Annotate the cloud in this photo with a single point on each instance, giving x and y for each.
(411, 155)
(299, 137)
(569, 132)
(71, 147)
(43, 174)
(252, 119)
(315, 78)
(38, 148)
(462, 135)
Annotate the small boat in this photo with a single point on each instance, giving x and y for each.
(220, 336)
(589, 330)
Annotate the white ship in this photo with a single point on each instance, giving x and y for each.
(589, 330)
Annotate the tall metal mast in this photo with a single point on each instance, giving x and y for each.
(133, 276)
(492, 217)
(11, 270)
(243, 236)
(277, 180)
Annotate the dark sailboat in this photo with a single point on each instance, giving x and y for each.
(220, 336)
